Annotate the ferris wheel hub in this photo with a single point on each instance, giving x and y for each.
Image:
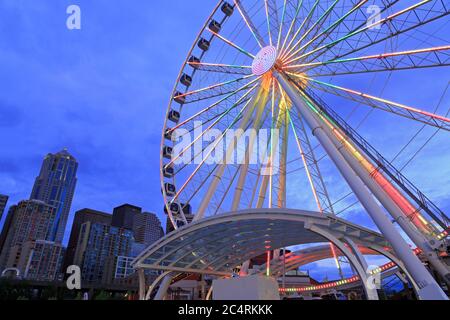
(265, 60)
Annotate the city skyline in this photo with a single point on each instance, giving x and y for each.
(101, 244)
(65, 226)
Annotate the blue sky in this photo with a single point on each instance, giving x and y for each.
(102, 92)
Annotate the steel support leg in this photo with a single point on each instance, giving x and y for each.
(142, 284)
(162, 291)
(362, 261)
(371, 292)
(429, 289)
(155, 283)
(418, 238)
(399, 264)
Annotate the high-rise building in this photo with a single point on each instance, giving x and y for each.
(119, 270)
(97, 246)
(82, 216)
(6, 227)
(120, 267)
(123, 216)
(41, 260)
(104, 245)
(55, 186)
(30, 220)
(147, 228)
(3, 201)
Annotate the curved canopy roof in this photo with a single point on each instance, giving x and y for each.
(218, 244)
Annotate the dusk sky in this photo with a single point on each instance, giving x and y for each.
(102, 93)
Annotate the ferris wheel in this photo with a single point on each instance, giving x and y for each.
(312, 74)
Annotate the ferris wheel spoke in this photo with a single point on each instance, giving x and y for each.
(229, 151)
(208, 120)
(292, 25)
(218, 119)
(244, 169)
(272, 20)
(402, 21)
(196, 115)
(334, 30)
(266, 5)
(215, 143)
(232, 44)
(202, 151)
(267, 184)
(394, 61)
(311, 166)
(259, 174)
(221, 68)
(212, 91)
(301, 27)
(266, 157)
(325, 33)
(267, 173)
(383, 104)
(316, 26)
(273, 146)
(281, 196)
(280, 31)
(253, 30)
(201, 184)
(248, 153)
(227, 190)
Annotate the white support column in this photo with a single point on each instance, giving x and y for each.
(361, 259)
(371, 292)
(357, 253)
(164, 286)
(209, 294)
(155, 283)
(142, 284)
(244, 269)
(429, 289)
(418, 238)
(399, 264)
(217, 176)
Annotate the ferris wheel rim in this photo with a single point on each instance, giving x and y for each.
(166, 120)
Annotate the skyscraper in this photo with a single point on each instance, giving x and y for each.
(28, 221)
(41, 260)
(3, 201)
(55, 186)
(83, 216)
(98, 244)
(123, 216)
(147, 228)
(6, 228)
